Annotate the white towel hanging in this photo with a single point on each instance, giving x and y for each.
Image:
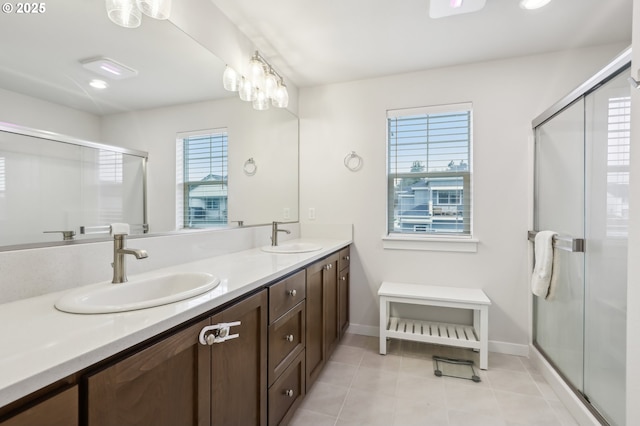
(543, 268)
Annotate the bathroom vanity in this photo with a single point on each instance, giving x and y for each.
(244, 353)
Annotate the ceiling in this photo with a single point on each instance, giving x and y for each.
(41, 54)
(318, 42)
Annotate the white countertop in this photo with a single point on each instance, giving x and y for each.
(41, 345)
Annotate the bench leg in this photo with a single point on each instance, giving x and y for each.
(383, 325)
(484, 337)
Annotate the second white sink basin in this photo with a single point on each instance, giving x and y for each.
(292, 248)
(136, 294)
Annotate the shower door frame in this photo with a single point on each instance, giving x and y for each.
(610, 71)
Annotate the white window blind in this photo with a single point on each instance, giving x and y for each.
(205, 178)
(618, 157)
(429, 170)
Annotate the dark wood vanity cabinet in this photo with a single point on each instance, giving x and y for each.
(61, 409)
(203, 374)
(343, 290)
(181, 381)
(287, 317)
(322, 315)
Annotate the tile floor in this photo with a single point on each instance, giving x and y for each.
(361, 387)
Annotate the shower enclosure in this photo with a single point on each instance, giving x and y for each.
(581, 192)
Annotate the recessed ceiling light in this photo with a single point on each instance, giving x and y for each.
(108, 68)
(98, 84)
(443, 8)
(533, 4)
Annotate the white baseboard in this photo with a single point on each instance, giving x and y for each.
(494, 346)
(577, 409)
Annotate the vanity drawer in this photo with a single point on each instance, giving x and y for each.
(286, 340)
(287, 392)
(344, 258)
(285, 294)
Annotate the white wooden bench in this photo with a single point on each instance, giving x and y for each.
(465, 336)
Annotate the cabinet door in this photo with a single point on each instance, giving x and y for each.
(315, 352)
(58, 410)
(239, 366)
(322, 315)
(343, 301)
(330, 282)
(167, 383)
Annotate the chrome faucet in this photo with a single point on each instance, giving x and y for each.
(119, 264)
(274, 233)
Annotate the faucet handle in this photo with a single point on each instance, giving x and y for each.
(66, 235)
(120, 229)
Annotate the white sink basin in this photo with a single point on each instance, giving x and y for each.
(292, 248)
(136, 294)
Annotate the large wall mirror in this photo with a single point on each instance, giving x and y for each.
(175, 89)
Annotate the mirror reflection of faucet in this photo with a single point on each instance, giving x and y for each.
(66, 235)
(274, 233)
(120, 232)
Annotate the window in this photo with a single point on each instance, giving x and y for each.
(618, 147)
(429, 171)
(202, 177)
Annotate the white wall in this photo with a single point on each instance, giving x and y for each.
(633, 272)
(26, 111)
(506, 96)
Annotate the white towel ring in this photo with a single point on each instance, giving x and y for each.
(353, 161)
(250, 167)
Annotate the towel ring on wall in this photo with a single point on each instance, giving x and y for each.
(353, 161)
(250, 167)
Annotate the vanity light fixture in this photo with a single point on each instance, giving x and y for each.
(261, 85)
(533, 4)
(128, 13)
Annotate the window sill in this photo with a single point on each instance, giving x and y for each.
(455, 244)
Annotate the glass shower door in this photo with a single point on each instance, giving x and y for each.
(582, 187)
(559, 322)
(607, 113)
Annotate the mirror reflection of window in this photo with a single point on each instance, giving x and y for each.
(202, 179)
(618, 146)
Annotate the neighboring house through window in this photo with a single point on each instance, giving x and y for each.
(202, 176)
(429, 170)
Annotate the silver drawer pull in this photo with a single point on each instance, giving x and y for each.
(289, 337)
(289, 393)
(292, 292)
(219, 333)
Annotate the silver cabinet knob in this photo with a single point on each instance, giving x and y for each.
(292, 292)
(289, 337)
(348, 258)
(210, 339)
(289, 393)
(343, 278)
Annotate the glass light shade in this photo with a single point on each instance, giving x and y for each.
(270, 84)
(231, 79)
(281, 96)
(247, 91)
(533, 4)
(156, 9)
(256, 72)
(124, 13)
(261, 102)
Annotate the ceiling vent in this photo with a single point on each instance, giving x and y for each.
(108, 68)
